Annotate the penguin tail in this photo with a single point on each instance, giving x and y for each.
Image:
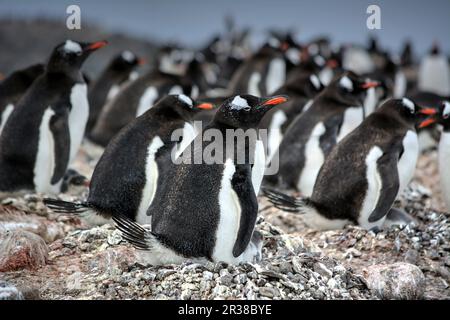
(285, 202)
(134, 233)
(60, 206)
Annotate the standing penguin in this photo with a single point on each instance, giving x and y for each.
(117, 74)
(335, 112)
(208, 210)
(434, 73)
(45, 129)
(136, 162)
(301, 91)
(13, 87)
(365, 172)
(444, 152)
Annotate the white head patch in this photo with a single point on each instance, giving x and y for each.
(128, 56)
(274, 42)
(346, 83)
(239, 103)
(315, 81)
(446, 112)
(319, 60)
(409, 104)
(293, 55)
(72, 46)
(185, 99)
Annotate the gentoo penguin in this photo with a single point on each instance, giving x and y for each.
(334, 113)
(116, 75)
(208, 210)
(301, 92)
(45, 129)
(434, 73)
(261, 74)
(444, 152)
(364, 173)
(139, 96)
(429, 136)
(136, 162)
(13, 87)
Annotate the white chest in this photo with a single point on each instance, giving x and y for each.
(275, 134)
(113, 91)
(374, 185)
(408, 160)
(314, 159)
(45, 158)
(78, 117)
(230, 216)
(151, 181)
(189, 134)
(444, 166)
(259, 165)
(253, 84)
(276, 75)
(352, 118)
(147, 100)
(370, 102)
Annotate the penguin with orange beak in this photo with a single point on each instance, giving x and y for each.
(208, 209)
(136, 162)
(45, 129)
(364, 173)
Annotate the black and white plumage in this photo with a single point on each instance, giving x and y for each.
(139, 96)
(301, 91)
(44, 132)
(117, 74)
(137, 161)
(363, 175)
(208, 210)
(13, 87)
(334, 113)
(444, 151)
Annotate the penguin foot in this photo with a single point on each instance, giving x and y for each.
(397, 217)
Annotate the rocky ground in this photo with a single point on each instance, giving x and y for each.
(48, 256)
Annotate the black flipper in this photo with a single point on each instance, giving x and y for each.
(282, 201)
(60, 206)
(59, 126)
(134, 233)
(243, 186)
(388, 171)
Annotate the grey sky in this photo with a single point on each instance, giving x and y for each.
(192, 22)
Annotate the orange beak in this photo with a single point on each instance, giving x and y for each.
(142, 61)
(205, 106)
(275, 101)
(428, 111)
(427, 122)
(97, 45)
(284, 46)
(370, 84)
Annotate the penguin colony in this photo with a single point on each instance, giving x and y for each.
(344, 127)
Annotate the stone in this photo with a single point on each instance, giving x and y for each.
(21, 249)
(399, 280)
(269, 292)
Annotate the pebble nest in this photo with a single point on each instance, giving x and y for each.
(298, 263)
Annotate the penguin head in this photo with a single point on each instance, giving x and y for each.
(441, 115)
(307, 85)
(183, 106)
(349, 89)
(413, 114)
(246, 111)
(126, 61)
(70, 55)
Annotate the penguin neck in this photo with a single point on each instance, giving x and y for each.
(74, 75)
(166, 114)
